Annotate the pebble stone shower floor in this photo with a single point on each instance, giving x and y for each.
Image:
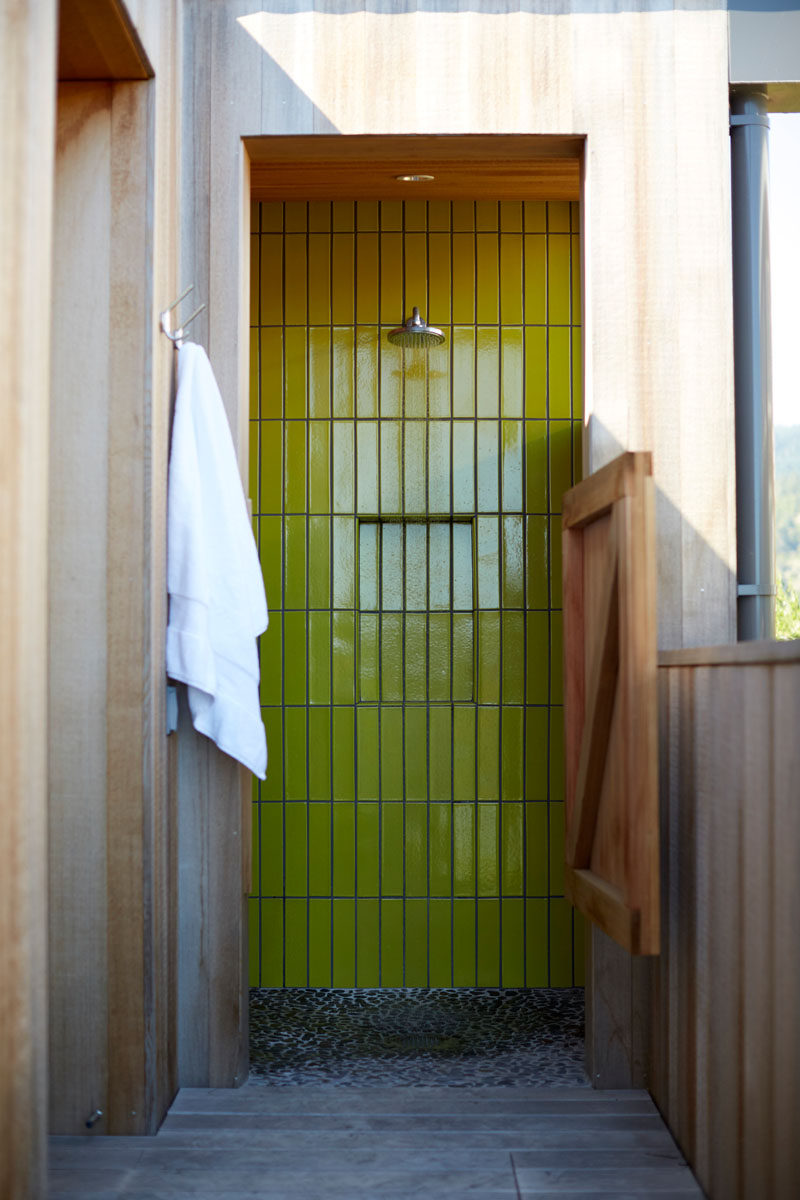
(441, 1037)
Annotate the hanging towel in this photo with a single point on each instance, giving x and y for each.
(217, 606)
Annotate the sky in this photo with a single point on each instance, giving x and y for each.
(784, 215)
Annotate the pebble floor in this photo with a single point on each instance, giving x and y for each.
(440, 1037)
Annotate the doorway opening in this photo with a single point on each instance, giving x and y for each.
(407, 914)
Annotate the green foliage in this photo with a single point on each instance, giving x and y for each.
(787, 505)
(787, 613)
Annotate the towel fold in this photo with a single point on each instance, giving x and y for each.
(217, 605)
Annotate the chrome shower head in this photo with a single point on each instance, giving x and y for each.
(415, 332)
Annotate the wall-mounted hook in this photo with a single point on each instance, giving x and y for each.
(176, 335)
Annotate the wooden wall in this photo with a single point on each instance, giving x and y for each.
(27, 79)
(726, 1027)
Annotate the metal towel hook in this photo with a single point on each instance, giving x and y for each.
(176, 335)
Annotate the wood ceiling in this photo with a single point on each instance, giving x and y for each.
(364, 167)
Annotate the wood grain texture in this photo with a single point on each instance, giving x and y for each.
(98, 40)
(27, 130)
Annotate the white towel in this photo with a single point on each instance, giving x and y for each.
(217, 605)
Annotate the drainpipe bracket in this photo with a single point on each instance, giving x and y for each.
(749, 119)
(755, 589)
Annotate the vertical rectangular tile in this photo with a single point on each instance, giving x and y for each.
(536, 753)
(392, 943)
(319, 484)
(513, 943)
(320, 366)
(463, 372)
(392, 849)
(343, 279)
(294, 666)
(368, 943)
(344, 943)
(271, 655)
(415, 658)
(295, 733)
(295, 268)
(416, 849)
(513, 591)
(319, 279)
(513, 753)
(416, 974)
(513, 849)
(535, 276)
(319, 754)
(440, 753)
(464, 846)
(271, 849)
(511, 278)
(535, 372)
(367, 280)
(368, 755)
(488, 562)
(463, 278)
(344, 661)
(537, 578)
(512, 454)
(271, 279)
(344, 564)
(319, 943)
(272, 789)
(416, 273)
(512, 372)
(488, 658)
(414, 467)
(367, 466)
(416, 746)
(487, 377)
(464, 943)
(295, 849)
(488, 966)
(368, 658)
(513, 654)
(560, 941)
(271, 467)
(464, 466)
(294, 589)
(391, 719)
(537, 972)
(343, 370)
(368, 848)
(488, 753)
(253, 943)
(463, 660)
(319, 553)
(391, 280)
(295, 466)
(344, 848)
(440, 943)
(558, 280)
(416, 567)
(367, 372)
(536, 850)
(558, 372)
(560, 462)
(440, 279)
(487, 307)
(391, 437)
(464, 753)
(439, 847)
(343, 754)
(272, 943)
(439, 467)
(392, 628)
(439, 651)
(319, 849)
(488, 850)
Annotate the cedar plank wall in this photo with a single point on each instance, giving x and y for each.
(27, 102)
(725, 1069)
(649, 89)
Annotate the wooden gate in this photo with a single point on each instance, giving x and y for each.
(610, 699)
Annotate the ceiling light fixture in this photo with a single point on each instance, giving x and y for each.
(414, 178)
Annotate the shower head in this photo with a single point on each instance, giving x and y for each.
(415, 332)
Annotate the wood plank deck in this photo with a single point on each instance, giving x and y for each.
(343, 1143)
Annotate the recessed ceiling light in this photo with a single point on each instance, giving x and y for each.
(414, 178)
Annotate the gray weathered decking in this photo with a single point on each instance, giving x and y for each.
(312, 1143)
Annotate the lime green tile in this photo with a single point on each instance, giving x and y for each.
(510, 218)
(513, 945)
(294, 650)
(319, 657)
(536, 751)
(488, 850)
(416, 849)
(512, 453)
(344, 562)
(463, 278)
(577, 451)
(344, 215)
(513, 750)
(535, 372)
(440, 217)
(368, 754)
(535, 278)
(559, 383)
(271, 467)
(255, 254)
(536, 934)
(319, 451)
(271, 216)
(392, 862)
(273, 723)
(319, 562)
(416, 974)
(270, 550)
(559, 279)
(343, 372)
(556, 754)
(391, 720)
(575, 265)
(391, 943)
(440, 280)
(535, 216)
(464, 753)
(416, 271)
(440, 753)
(439, 404)
(319, 279)
(295, 265)
(391, 438)
(487, 308)
(414, 467)
(343, 467)
(368, 944)
(463, 373)
(536, 466)
(536, 548)
(367, 280)
(536, 850)
(253, 459)
(577, 373)
(319, 943)
(440, 943)
(295, 466)
(537, 665)
(271, 666)
(253, 943)
(255, 850)
(416, 569)
(487, 384)
(295, 833)
(344, 943)
(513, 849)
(272, 279)
(440, 536)
(439, 468)
(295, 753)
(294, 585)
(488, 751)
(367, 372)
(556, 561)
(416, 750)
(579, 934)
(296, 947)
(391, 280)
(513, 562)
(556, 815)
(575, 216)
(463, 943)
(342, 278)
(415, 215)
(368, 658)
(486, 215)
(367, 215)
(560, 944)
(319, 753)
(368, 852)
(488, 531)
(343, 754)
(512, 372)
(344, 848)
(463, 466)
(464, 847)
(254, 379)
(415, 658)
(558, 216)
(320, 366)
(463, 657)
(391, 634)
(463, 215)
(272, 943)
(488, 966)
(439, 658)
(439, 840)
(295, 216)
(463, 566)
(319, 849)
(367, 466)
(556, 658)
(489, 658)
(511, 278)
(271, 849)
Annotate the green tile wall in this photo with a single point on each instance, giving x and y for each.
(407, 511)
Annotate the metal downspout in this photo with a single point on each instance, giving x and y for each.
(755, 503)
